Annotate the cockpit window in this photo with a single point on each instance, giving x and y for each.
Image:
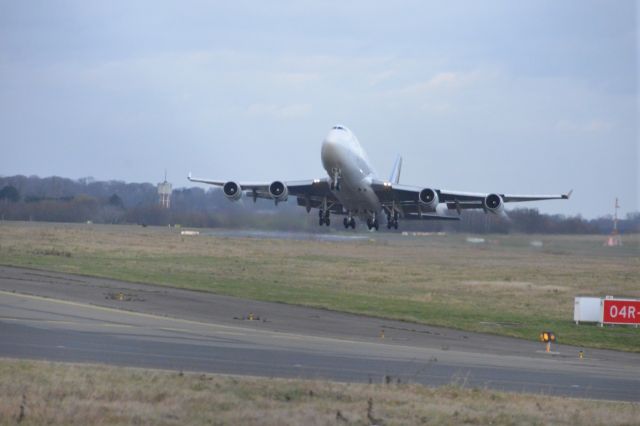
(338, 127)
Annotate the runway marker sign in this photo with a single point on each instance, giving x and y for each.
(620, 311)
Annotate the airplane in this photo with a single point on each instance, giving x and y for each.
(352, 190)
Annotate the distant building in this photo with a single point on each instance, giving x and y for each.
(164, 192)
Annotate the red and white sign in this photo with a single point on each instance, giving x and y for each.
(620, 311)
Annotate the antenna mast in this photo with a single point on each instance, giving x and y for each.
(614, 239)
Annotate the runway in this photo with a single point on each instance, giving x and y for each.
(290, 236)
(63, 317)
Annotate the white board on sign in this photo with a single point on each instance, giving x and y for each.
(587, 309)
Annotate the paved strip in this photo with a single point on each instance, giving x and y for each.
(47, 316)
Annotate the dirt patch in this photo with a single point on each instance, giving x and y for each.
(521, 285)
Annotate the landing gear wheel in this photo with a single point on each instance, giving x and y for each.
(327, 221)
(321, 221)
(352, 223)
(345, 222)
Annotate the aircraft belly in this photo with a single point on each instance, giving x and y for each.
(358, 198)
(355, 194)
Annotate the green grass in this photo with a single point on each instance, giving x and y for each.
(35, 393)
(504, 287)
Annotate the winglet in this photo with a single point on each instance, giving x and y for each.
(567, 195)
(189, 176)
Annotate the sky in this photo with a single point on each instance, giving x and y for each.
(492, 96)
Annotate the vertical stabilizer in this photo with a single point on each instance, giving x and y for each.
(395, 173)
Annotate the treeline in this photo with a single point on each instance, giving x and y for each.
(56, 199)
(59, 199)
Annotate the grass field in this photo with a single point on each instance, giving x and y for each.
(35, 392)
(504, 286)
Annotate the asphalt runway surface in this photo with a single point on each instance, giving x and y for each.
(72, 318)
(280, 235)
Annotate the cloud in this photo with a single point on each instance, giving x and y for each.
(380, 77)
(296, 78)
(437, 108)
(442, 81)
(591, 126)
(280, 112)
(446, 79)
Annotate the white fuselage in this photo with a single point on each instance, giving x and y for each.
(345, 161)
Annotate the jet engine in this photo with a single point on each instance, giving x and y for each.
(429, 197)
(494, 204)
(278, 190)
(232, 191)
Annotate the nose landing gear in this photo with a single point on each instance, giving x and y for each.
(335, 180)
(373, 223)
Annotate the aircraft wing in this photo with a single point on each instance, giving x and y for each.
(406, 199)
(258, 186)
(309, 193)
(457, 200)
(207, 181)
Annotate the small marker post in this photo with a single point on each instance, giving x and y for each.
(382, 334)
(547, 337)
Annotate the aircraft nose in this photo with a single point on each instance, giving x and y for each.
(335, 141)
(332, 139)
(330, 146)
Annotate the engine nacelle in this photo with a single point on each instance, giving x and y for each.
(494, 204)
(232, 191)
(429, 197)
(278, 190)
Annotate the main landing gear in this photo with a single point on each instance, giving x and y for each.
(392, 221)
(349, 221)
(324, 217)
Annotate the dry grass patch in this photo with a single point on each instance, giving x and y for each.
(36, 392)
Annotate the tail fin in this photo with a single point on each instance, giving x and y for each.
(395, 173)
